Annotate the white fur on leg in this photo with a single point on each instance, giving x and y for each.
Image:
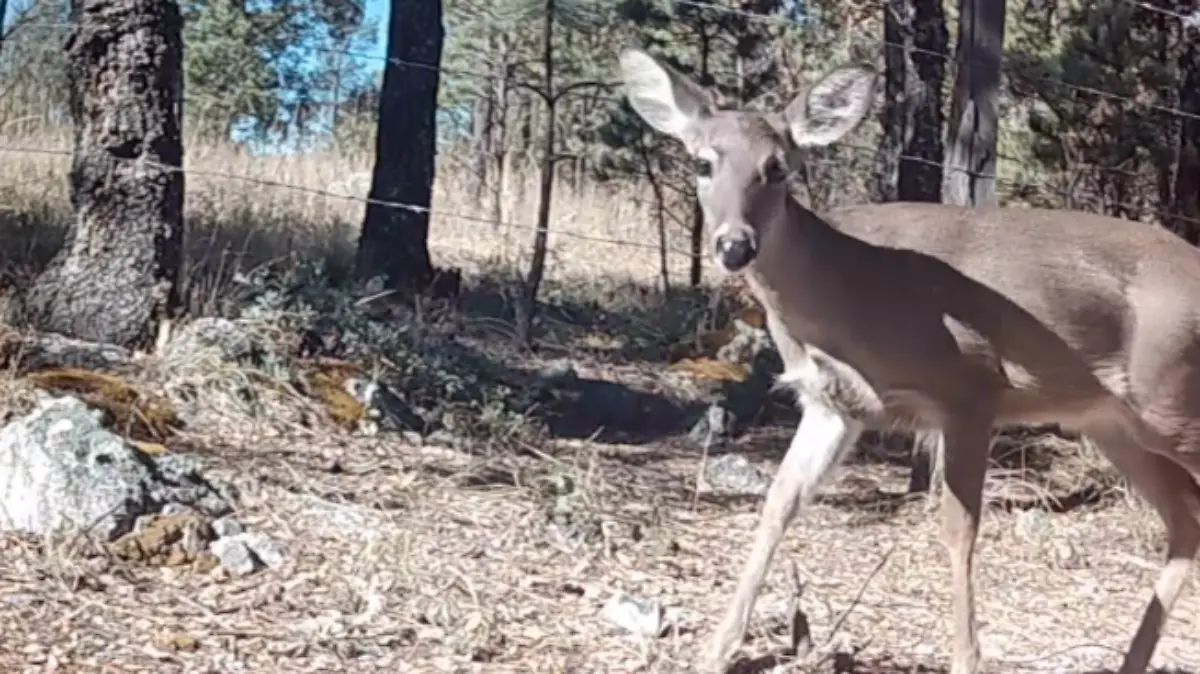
(822, 440)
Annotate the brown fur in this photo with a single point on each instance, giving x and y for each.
(933, 316)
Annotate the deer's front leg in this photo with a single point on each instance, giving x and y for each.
(822, 439)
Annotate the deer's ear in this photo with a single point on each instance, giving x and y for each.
(667, 100)
(832, 107)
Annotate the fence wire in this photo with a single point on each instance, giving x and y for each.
(1189, 21)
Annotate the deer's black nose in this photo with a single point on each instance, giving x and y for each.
(735, 252)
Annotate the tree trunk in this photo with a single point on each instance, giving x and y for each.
(395, 239)
(971, 179)
(896, 100)
(696, 269)
(1186, 191)
(118, 271)
(498, 143)
(527, 307)
(921, 165)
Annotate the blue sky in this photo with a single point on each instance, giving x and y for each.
(378, 10)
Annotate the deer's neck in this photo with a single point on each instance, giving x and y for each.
(802, 269)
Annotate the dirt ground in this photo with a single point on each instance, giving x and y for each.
(427, 559)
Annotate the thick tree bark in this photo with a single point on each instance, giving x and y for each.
(394, 241)
(971, 179)
(921, 167)
(1186, 208)
(917, 40)
(896, 107)
(118, 271)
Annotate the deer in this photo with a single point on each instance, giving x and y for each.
(943, 319)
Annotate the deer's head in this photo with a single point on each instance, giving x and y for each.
(742, 159)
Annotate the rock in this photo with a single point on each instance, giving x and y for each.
(61, 469)
(245, 553)
(178, 479)
(49, 350)
(266, 549)
(732, 473)
(559, 373)
(165, 540)
(227, 526)
(232, 340)
(639, 616)
(177, 642)
(177, 509)
(236, 557)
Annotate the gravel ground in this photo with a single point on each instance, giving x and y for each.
(425, 559)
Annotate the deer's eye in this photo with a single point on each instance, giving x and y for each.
(702, 166)
(773, 171)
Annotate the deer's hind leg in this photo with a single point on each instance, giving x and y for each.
(967, 438)
(1175, 495)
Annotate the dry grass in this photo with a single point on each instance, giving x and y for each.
(241, 213)
(404, 558)
(428, 560)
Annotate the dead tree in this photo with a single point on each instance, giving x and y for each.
(118, 271)
(527, 305)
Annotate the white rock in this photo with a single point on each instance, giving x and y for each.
(639, 616)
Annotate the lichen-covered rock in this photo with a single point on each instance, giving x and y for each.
(60, 469)
(733, 474)
(232, 340)
(40, 351)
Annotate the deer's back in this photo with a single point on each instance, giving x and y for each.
(1123, 294)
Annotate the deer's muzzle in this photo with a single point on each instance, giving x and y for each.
(735, 251)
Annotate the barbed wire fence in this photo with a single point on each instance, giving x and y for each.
(611, 96)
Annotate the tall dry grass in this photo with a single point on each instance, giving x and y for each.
(243, 211)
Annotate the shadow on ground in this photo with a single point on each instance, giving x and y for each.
(838, 663)
(599, 322)
(845, 663)
(607, 320)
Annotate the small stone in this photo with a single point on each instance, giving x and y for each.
(639, 616)
(559, 372)
(733, 473)
(177, 642)
(227, 526)
(177, 509)
(236, 557)
(266, 549)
